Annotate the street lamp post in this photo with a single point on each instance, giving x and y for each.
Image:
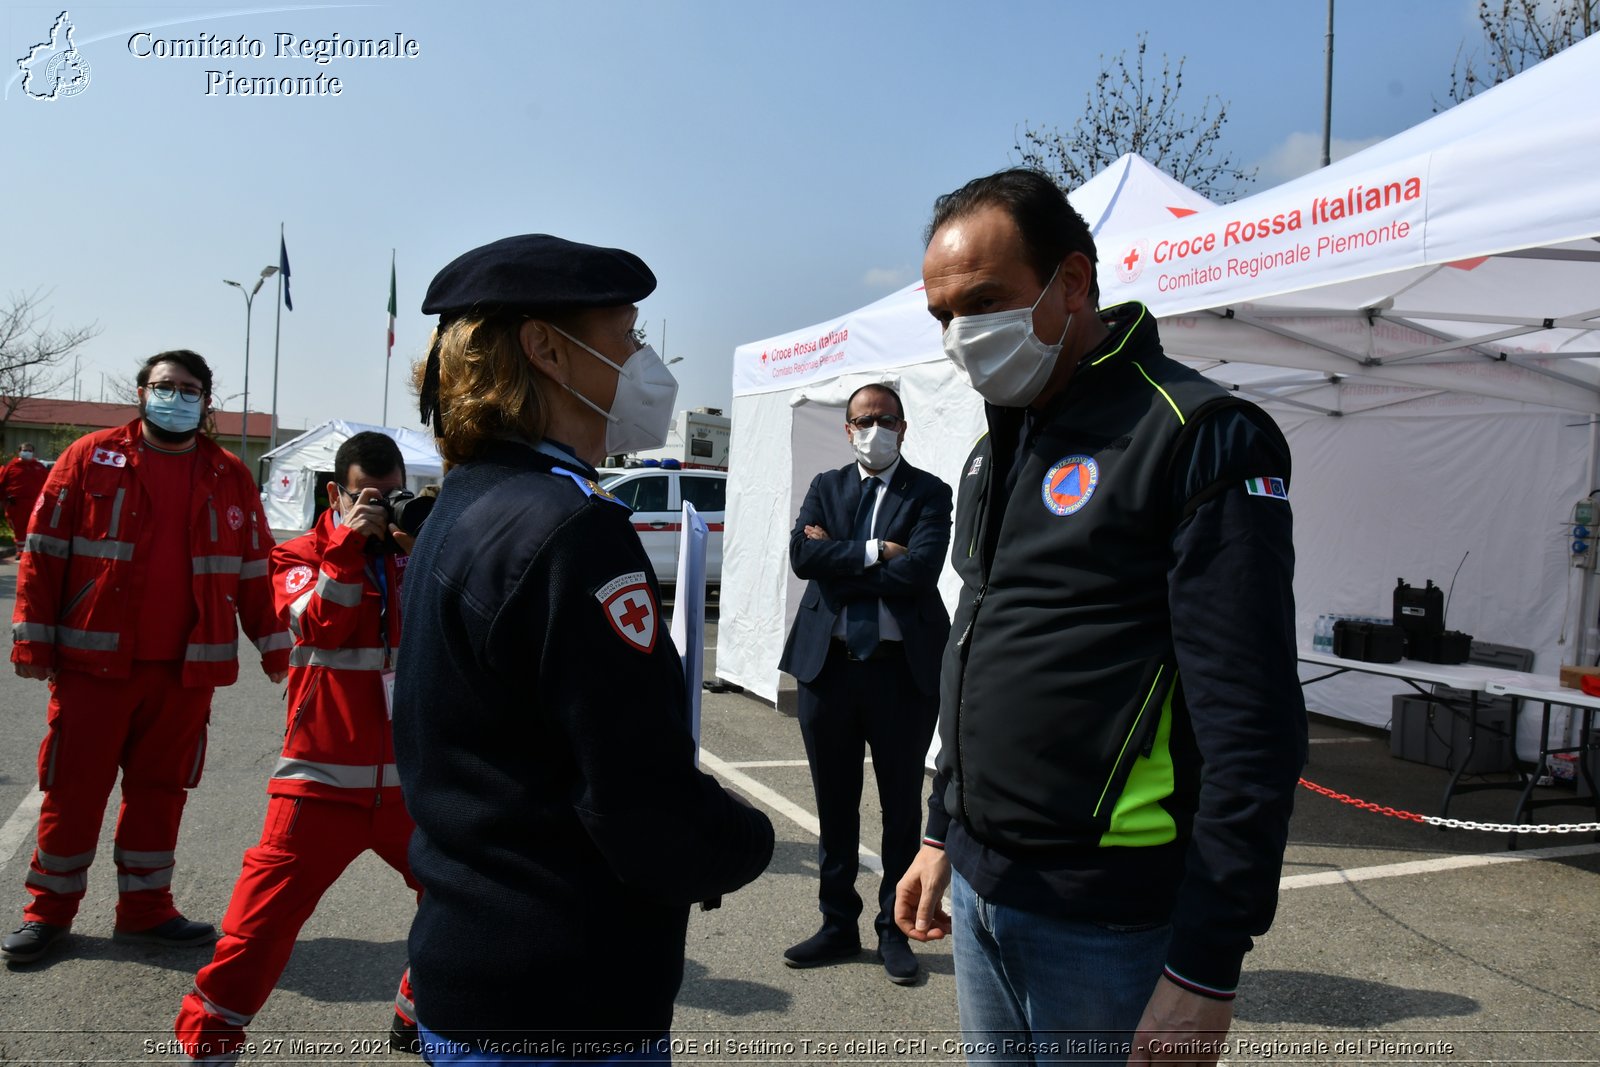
(249, 298)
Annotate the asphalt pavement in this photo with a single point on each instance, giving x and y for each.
(1394, 942)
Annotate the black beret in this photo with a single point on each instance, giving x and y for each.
(537, 271)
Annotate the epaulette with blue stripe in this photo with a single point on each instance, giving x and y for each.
(590, 487)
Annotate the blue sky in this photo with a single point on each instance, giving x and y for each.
(774, 164)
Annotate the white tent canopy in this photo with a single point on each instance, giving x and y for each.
(1447, 317)
(1460, 255)
(290, 487)
(788, 418)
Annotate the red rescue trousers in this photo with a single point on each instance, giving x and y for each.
(152, 727)
(305, 845)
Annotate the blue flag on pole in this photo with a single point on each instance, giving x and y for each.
(283, 271)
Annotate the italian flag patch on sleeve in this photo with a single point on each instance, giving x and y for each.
(1272, 487)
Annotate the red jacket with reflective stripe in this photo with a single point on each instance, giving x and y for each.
(80, 585)
(338, 744)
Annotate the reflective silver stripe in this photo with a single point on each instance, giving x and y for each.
(227, 1015)
(52, 862)
(33, 631)
(116, 512)
(212, 508)
(210, 653)
(404, 1006)
(297, 609)
(145, 860)
(91, 640)
(102, 549)
(218, 564)
(339, 775)
(256, 568)
(133, 883)
(59, 883)
(273, 642)
(345, 594)
(49, 546)
(343, 659)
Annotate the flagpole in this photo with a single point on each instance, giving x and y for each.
(277, 331)
(388, 354)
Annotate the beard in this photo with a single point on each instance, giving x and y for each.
(162, 434)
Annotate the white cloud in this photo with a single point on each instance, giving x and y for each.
(1301, 153)
(886, 277)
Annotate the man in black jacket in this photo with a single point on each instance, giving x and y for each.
(1121, 720)
(870, 540)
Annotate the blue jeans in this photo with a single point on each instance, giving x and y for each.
(524, 1051)
(1036, 989)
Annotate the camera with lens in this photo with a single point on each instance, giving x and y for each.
(406, 510)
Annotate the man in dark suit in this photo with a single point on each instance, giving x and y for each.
(865, 647)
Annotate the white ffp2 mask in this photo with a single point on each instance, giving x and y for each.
(642, 409)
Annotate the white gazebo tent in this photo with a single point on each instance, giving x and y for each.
(788, 418)
(290, 486)
(1443, 288)
(1453, 311)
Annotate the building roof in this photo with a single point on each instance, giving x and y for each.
(44, 412)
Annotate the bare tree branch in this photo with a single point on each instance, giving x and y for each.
(1128, 110)
(33, 355)
(1516, 35)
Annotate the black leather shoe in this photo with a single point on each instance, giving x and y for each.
(30, 941)
(824, 946)
(403, 1036)
(899, 962)
(176, 932)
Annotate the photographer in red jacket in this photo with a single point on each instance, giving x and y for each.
(334, 793)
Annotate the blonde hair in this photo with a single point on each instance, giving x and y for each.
(488, 389)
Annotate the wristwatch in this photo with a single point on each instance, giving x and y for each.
(882, 548)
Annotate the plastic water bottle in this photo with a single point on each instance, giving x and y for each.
(1322, 637)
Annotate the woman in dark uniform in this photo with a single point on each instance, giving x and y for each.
(540, 719)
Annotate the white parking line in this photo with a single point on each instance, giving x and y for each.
(777, 763)
(1342, 740)
(779, 803)
(20, 825)
(1441, 863)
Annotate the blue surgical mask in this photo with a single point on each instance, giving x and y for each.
(175, 414)
(26, 453)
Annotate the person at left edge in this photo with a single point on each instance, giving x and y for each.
(334, 792)
(21, 482)
(148, 540)
(870, 541)
(541, 720)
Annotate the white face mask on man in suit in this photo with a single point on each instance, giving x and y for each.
(876, 448)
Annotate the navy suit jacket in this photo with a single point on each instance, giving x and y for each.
(915, 512)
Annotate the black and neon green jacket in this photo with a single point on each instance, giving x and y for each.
(1126, 607)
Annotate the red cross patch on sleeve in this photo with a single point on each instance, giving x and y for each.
(630, 609)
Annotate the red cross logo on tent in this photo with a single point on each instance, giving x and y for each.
(630, 609)
(1131, 263)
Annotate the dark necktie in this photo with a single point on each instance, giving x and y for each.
(861, 616)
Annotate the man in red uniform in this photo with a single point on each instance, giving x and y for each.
(147, 541)
(21, 481)
(334, 793)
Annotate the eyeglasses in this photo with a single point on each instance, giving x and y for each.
(867, 422)
(164, 391)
